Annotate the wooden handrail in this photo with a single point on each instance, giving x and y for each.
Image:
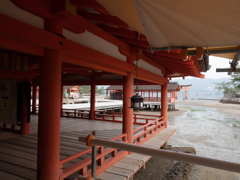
(147, 124)
(83, 163)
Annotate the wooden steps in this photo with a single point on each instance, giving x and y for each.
(129, 165)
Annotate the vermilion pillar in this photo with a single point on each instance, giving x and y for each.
(164, 98)
(49, 112)
(92, 105)
(128, 82)
(185, 94)
(34, 99)
(61, 100)
(25, 124)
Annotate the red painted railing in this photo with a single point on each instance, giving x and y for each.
(154, 99)
(11, 128)
(139, 119)
(141, 134)
(83, 114)
(148, 130)
(102, 164)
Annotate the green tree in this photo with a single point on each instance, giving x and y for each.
(100, 90)
(85, 89)
(231, 87)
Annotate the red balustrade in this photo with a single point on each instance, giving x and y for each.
(148, 130)
(83, 114)
(102, 164)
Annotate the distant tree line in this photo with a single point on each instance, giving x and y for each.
(87, 89)
(231, 88)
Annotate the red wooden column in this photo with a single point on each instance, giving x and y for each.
(164, 101)
(25, 124)
(61, 100)
(34, 99)
(49, 112)
(92, 105)
(185, 94)
(152, 95)
(128, 82)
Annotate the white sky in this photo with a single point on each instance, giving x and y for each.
(216, 62)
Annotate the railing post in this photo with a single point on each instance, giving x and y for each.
(101, 160)
(135, 118)
(83, 171)
(103, 115)
(93, 172)
(114, 153)
(113, 116)
(156, 125)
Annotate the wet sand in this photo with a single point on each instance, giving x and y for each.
(213, 129)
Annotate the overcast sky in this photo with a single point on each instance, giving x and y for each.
(217, 62)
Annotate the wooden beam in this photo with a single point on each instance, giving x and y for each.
(89, 4)
(133, 41)
(227, 70)
(123, 32)
(169, 59)
(153, 63)
(10, 74)
(173, 63)
(103, 19)
(43, 9)
(7, 43)
(75, 24)
(20, 31)
(151, 77)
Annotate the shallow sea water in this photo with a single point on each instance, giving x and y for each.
(212, 133)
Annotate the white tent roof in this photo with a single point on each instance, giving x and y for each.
(191, 23)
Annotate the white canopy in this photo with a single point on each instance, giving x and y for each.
(191, 23)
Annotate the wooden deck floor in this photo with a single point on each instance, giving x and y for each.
(18, 155)
(129, 165)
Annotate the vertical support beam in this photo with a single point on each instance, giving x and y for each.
(152, 95)
(92, 105)
(34, 99)
(49, 112)
(61, 100)
(175, 94)
(128, 82)
(164, 102)
(25, 123)
(185, 93)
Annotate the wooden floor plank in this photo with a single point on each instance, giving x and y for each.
(124, 165)
(131, 161)
(110, 176)
(18, 161)
(120, 171)
(18, 155)
(18, 170)
(134, 161)
(7, 176)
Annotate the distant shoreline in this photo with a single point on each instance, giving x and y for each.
(225, 108)
(209, 99)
